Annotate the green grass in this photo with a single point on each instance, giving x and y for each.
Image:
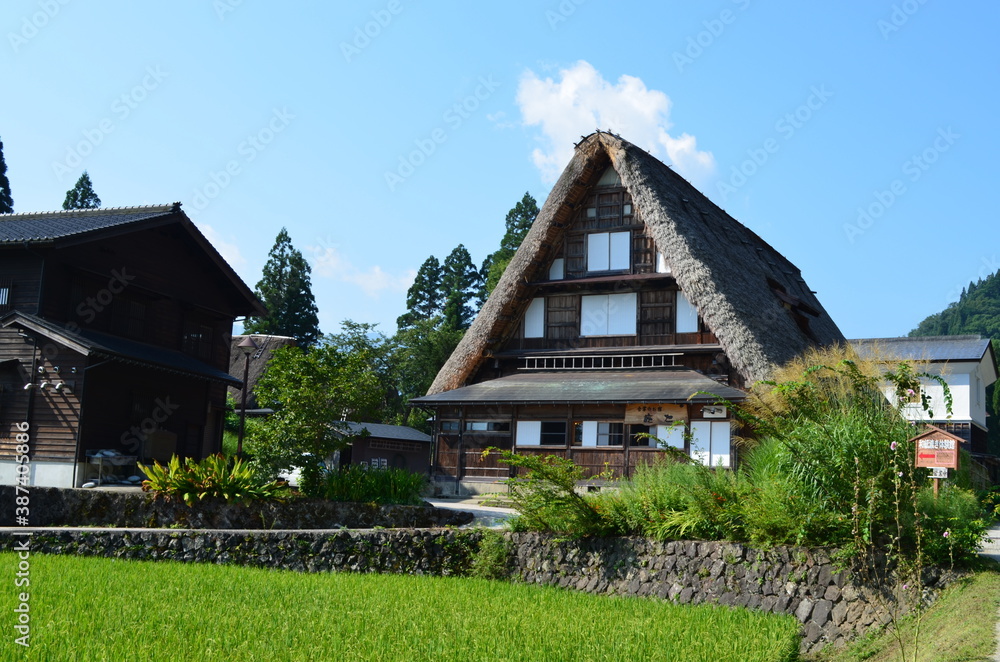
(88, 609)
(959, 627)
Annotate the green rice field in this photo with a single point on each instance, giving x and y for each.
(88, 609)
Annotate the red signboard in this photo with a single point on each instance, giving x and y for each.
(937, 449)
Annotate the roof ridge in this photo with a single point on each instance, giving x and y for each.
(965, 336)
(173, 206)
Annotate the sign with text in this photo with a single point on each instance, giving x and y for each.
(655, 414)
(937, 449)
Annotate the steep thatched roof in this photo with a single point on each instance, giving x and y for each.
(258, 362)
(749, 295)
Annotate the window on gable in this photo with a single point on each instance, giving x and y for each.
(608, 314)
(609, 251)
(5, 301)
(557, 270)
(534, 319)
(687, 315)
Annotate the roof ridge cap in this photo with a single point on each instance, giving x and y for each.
(173, 206)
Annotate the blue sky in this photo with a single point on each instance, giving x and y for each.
(858, 138)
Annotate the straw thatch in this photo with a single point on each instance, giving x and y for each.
(749, 295)
(258, 362)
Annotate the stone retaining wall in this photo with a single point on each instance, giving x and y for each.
(399, 551)
(832, 606)
(52, 506)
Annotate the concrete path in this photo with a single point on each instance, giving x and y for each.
(487, 516)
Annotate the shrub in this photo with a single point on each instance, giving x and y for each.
(670, 500)
(493, 558)
(545, 496)
(358, 484)
(955, 523)
(215, 476)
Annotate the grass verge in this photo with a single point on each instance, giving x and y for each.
(101, 609)
(959, 627)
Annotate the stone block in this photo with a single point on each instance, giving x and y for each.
(803, 610)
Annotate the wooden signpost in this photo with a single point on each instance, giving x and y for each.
(937, 450)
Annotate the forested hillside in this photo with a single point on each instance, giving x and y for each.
(976, 311)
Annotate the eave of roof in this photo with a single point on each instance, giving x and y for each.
(94, 343)
(584, 387)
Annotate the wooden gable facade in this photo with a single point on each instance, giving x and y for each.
(632, 305)
(114, 337)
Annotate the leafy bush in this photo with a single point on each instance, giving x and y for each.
(215, 476)
(546, 499)
(493, 558)
(955, 523)
(358, 484)
(670, 500)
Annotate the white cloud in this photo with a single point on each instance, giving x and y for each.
(499, 120)
(229, 250)
(328, 262)
(582, 101)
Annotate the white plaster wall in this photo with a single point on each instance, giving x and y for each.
(966, 404)
(42, 474)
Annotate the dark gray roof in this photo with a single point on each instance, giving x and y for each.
(94, 343)
(38, 227)
(588, 388)
(925, 348)
(383, 431)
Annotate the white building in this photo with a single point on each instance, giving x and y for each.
(966, 363)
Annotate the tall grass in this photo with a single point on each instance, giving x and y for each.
(357, 484)
(99, 609)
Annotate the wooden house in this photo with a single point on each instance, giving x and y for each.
(115, 328)
(382, 446)
(631, 304)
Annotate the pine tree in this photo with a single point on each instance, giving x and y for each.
(82, 195)
(423, 299)
(460, 283)
(6, 202)
(286, 291)
(518, 222)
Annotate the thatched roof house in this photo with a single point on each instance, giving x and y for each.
(259, 358)
(632, 289)
(753, 299)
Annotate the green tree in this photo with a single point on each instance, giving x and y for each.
(341, 378)
(286, 291)
(82, 195)
(423, 299)
(518, 222)
(6, 202)
(460, 284)
(419, 352)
